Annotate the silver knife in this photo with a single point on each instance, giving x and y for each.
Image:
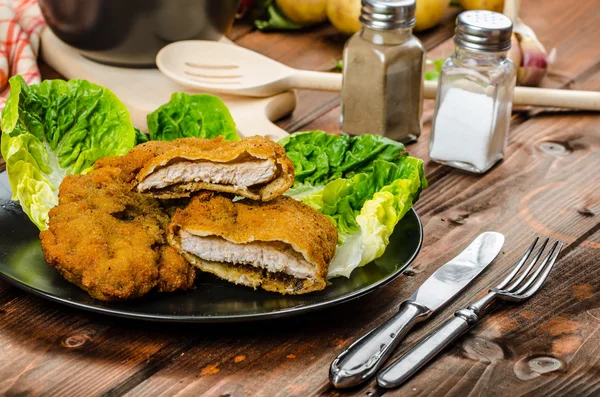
(364, 357)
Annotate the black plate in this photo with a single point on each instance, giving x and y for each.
(23, 265)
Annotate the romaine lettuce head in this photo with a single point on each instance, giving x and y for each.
(199, 116)
(54, 129)
(364, 189)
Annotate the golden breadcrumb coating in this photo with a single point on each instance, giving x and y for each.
(132, 162)
(174, 272)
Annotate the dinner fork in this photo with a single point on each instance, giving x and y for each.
(514, 288)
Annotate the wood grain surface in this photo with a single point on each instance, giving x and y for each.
(547, 185)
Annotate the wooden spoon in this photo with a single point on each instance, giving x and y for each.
(229, 69)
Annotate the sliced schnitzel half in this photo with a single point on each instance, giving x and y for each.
(281, 245)
(255, 167)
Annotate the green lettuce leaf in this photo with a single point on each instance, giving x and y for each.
(375, 224)
(434, 74)
(54, 129)
(200, 116)
(364, 184)
(140, 137)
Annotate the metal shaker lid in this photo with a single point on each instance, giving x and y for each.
(483, 31)
(388, 14)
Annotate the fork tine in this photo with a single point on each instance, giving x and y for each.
(518, 267)
(540, 280)
(537, 272)
(531, 265)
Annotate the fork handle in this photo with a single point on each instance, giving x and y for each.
(406, 366)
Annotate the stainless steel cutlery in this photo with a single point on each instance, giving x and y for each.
(518, 286)
(364, 357)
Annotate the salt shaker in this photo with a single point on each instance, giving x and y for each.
(382, 89)
(474, 97)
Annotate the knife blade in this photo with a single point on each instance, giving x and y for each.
(364, 357)
(447, 281)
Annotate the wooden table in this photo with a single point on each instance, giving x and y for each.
(548, 185)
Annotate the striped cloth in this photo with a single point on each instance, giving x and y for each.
(21, 24)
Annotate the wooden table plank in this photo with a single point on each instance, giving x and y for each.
(45, 345)
(548, 347)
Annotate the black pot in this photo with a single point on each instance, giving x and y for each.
(131, 32)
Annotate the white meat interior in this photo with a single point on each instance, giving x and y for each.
(272, 256)
(247, 173)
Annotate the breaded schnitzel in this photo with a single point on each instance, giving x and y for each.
(107, 234)
(281, 245)
(255, 167)
(110, 240)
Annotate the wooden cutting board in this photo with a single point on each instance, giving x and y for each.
(144, 90)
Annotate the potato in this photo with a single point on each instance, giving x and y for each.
(304, 12)
(429, 13)
(490, 5)
(343, 14)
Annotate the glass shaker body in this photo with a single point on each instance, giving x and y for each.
(472, 111)
(382, 90)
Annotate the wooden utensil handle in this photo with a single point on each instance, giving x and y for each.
(323, 81)
(523, 96)
(583, 100)
(529, 96)
(511, 9)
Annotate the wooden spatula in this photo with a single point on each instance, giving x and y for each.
(227, 69)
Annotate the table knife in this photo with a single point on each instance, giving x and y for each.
(364, 357)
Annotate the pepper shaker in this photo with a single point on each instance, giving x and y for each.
(382, 89)
(474, 96)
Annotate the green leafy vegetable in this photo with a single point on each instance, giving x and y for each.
(140, 137)
(364, 184)
(434, 74)
(200, 116)
(274, 18)
(54, 129)
(338, 64)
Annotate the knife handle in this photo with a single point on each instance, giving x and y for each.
(406, 366)
(364, 357)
